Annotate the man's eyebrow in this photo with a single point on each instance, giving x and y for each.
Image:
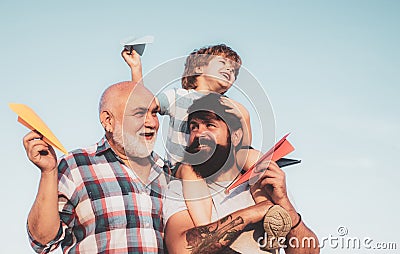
(139, 108)
(194, 121)
(155, 108)
(132, 110)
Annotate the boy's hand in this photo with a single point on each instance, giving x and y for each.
(240, 112)
(236, 108)
(39, 152)
(133, 60)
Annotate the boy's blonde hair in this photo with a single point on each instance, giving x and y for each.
(202, 57)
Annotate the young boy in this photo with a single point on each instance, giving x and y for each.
(209, 69)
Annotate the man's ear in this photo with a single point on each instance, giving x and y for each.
(107, 120)
(236, 137)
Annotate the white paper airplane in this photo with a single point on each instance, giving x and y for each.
(137, 44)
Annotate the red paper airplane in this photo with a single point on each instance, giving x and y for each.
(280, 149)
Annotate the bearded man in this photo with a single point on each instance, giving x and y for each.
(215, 137)
(106, 198)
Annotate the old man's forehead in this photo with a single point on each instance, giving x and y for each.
(144, 103)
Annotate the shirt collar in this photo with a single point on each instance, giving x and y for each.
(102, 145)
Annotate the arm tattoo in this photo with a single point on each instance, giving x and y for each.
(214, 237)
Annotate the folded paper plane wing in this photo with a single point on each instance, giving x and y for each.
(137, 44)
(283, 162)
(278, 151)
(28, 118)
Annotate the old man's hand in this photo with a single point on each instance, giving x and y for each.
(39, 152)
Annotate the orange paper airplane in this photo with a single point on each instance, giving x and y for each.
(28, 118)
(280, 149)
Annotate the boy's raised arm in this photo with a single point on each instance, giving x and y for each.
(134, 63)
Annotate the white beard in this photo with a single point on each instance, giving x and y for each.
(132, 145)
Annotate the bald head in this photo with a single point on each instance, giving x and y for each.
(117, 95)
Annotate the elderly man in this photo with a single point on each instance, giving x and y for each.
(106, 198)
(215, 136)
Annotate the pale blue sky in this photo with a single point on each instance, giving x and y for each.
(329, 68)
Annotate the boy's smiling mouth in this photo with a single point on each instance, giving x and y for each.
(226, 75)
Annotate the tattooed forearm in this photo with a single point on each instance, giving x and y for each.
(216, 236)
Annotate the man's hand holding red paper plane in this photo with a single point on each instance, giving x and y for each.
(271, 183)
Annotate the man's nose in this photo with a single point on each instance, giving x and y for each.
(230, 68)
(151, 121)
(201, 131)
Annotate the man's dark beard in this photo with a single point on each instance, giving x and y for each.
(222, 158)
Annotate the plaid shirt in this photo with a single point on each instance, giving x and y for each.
(104, 207)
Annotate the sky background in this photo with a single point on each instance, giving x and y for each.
(329, 68)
